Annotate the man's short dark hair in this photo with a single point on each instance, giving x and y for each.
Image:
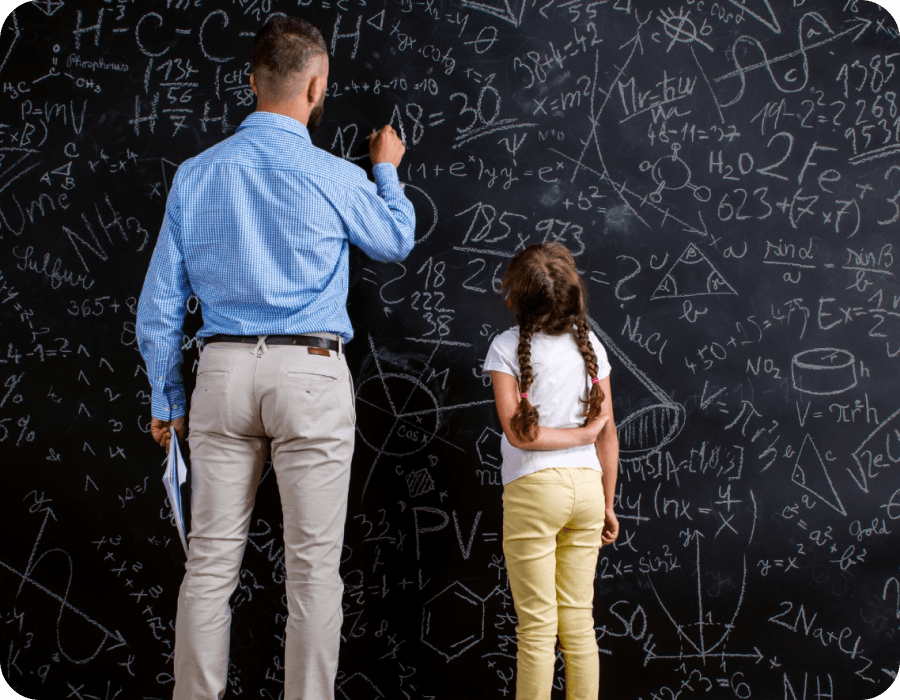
(282, 49)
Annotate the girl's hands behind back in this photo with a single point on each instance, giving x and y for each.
(595, 427)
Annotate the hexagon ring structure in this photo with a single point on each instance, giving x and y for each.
(453, 621)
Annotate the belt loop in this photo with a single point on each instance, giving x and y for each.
(340, 352)
(261, 347)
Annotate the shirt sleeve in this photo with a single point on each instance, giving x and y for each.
(603, 366)
(381, 221)
(502, 356)
(160, 316)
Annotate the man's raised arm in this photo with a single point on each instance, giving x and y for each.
(382, 222)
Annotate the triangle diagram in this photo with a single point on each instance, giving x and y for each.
(651, 419)
(811, 474)
(380, 24)
(692, 275)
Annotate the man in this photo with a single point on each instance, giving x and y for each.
(258, 228)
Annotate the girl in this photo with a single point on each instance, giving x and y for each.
(551, 387)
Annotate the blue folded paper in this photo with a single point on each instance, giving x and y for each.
(175, 476)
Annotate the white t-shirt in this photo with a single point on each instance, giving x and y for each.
(560, 382)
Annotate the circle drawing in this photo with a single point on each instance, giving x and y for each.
(403, 414)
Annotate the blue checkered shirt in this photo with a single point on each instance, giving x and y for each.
(258, 227)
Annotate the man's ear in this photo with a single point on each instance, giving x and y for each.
(316, 88)
(253, 85)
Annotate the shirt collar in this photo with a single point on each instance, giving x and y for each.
(275, 121)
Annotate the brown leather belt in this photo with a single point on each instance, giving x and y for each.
(313, 341)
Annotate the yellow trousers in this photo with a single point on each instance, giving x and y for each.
(552, 521)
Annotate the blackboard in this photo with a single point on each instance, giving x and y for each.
(727, 175)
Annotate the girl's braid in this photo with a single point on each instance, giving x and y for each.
(595, 398)
(524, 422)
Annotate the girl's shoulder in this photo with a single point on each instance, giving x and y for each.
(510, 339)
(595, 341)
(507, 335)
(506, 339)
(502, 355)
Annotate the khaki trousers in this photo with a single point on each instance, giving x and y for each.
(250, 401)
(552, 522)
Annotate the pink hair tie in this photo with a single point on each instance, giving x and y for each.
(525, 395)
(594, 380)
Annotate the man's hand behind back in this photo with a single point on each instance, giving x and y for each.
(386, 147)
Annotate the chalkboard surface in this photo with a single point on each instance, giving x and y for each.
(727, 175)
